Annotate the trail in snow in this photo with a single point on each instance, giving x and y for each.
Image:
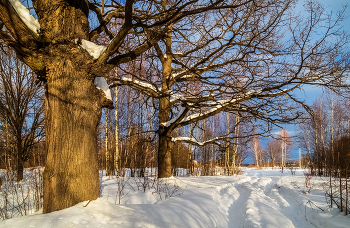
(259, 198)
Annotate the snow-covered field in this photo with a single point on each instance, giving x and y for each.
(257, 198)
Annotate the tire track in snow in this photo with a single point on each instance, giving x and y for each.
(228, 198)
(292, 206)
(252, 205)
(236, 210)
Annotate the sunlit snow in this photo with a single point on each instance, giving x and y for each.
(25, 15)
(101, 83)
(93, 49)
(139, 83)
(256, 198)
(167, 124)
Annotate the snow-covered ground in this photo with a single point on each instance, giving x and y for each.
(257, 198)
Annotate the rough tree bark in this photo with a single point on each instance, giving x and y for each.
(165, 143)
(73, 111)
(73, 104)
(19, 161)
(73, 107)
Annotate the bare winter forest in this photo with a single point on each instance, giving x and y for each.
(135, 102)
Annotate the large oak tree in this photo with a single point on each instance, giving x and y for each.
(233, 51)
(247, 58)
(58, 47)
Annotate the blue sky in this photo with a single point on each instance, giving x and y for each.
(310, 93)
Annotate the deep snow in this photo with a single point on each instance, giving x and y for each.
(258, 198)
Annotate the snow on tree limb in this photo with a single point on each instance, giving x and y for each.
(25, 16)
(196, 142)
(176, 98)
(19, 35)
(173, 120)
(93, 49)
(101, 83)
(220, 105)
(22, 34)
(144, 86)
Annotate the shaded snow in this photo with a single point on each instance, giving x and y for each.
(258, 198)
(93, 49)
(101, 83)
(25, 15)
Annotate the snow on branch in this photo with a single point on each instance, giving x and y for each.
(175, 98)
(219, 106)
(93, 49)
(25, 16)
(183, 75)
(101, 83)
(195, 141)
(136, 83)
(167, 124)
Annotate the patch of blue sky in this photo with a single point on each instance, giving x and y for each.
(310, 93)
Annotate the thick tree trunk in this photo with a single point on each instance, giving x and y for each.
(73, 105)
(19, 169)
(164, 156)
(73, 110)
(19, 157)
(165, 143)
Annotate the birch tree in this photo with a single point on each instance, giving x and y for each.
(285, 146)
(257, 150)
(273, 149)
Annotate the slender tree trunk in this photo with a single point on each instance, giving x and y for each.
(236, 145)
(128, 147)
(190, 131)
(332, 131)
(256, 144)
(282, 155)
(108, 151)
(8, 163)
(227, 157)
(204, 149)
(116, 158)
